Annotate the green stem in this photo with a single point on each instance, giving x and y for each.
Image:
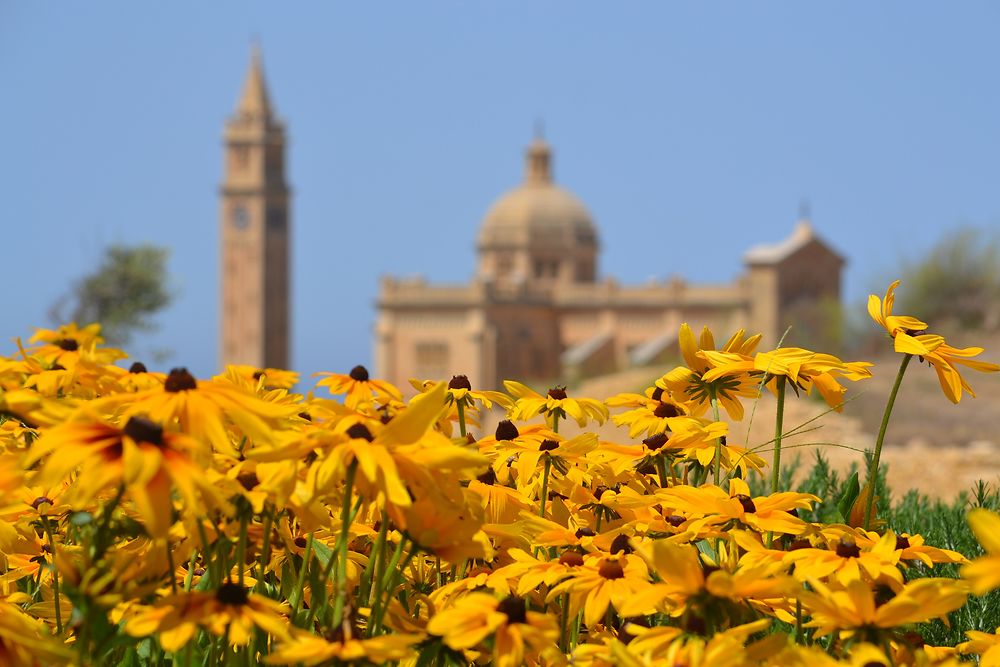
(300, 582)
(338, 607)
(661, 470)
(778, 421)
(461, 417)
(376, 563)
(873, 469)
(383, 586)
(545, 485)
(265, 552)
(55, 573)
(714, 400)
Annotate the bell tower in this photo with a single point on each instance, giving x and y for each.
(254, 229)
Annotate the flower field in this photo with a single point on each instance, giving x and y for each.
(163, 519)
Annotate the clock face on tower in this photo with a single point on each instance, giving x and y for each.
(241, 218)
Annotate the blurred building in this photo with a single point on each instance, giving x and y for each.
(536, 310)
(254, 228)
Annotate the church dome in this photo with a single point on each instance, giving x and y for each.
(537, 213)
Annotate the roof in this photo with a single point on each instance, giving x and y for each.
(801, 236)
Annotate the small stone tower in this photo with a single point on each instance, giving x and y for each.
(254, 232)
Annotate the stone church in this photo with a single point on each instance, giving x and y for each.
(537, 308)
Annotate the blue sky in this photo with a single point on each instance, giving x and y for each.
(692, 131)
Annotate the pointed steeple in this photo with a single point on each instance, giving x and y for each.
(255, 102)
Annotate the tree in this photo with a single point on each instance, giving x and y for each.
(956, 282)
(122, 294)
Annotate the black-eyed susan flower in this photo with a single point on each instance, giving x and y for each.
(230, 612)
(141, 457)
(687, 383)
(555, 405)
(602, 581)
(359, 387)
(852, 605)
(518, 635)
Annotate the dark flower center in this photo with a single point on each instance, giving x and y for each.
(459, 382)
(799, 544)
(548, 445)
(359, 374)
(557, 393)
(67, 344)
(232, 593)
(360, 432)
(883, 594)
(657, 393)
(142, 429)
(676, 520)
(584, 532)
(848, 548)
(620, 545)
(248, 480)
(506, 430)
(902, 542)
(654, 442)
(610, 569)
(489, 477)
(137, 367)
(746, 501)
(301, 542)
(258, 375)
(180, 380)
(39, 501)
(514, 608)
(664, 410)
(571, 558)
(600, 491)
(306, 416)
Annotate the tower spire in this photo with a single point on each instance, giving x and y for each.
(255, 102)
(538, 166)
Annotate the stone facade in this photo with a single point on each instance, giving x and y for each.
(254, 232)
(536, 311)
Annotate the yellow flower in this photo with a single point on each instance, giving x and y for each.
(854, 607)
(902, 328)
(518, 635)
(804, 369)
(205, 410)
(983, 644)
(909, 338)
(984, 572)
(555, 405)
(308, 649)
(687, 383)
(359, 387)
(944, 359)
(141, 456)
(229, 612)
(847, 562)
(25, 641)
(602, 581)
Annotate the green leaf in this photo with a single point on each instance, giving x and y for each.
(851, 490)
